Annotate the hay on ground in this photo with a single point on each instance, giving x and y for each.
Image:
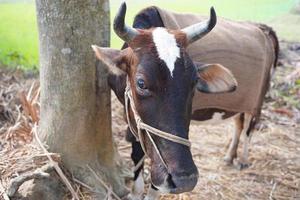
(275, 149)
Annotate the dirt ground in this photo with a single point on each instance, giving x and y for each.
(274, 151)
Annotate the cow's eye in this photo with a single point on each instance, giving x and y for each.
(141, 84)
(142, 88)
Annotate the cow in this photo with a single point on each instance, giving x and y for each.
(155, 79)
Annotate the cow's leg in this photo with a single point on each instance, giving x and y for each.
(152, 194)
(243, 162)
(138, 186)
(232, 150)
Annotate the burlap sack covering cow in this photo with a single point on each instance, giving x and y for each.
(242, 47)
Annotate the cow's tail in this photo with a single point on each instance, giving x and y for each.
(275, 41)
(273, 36)
(276, 46)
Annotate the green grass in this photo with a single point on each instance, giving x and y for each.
(19, 37)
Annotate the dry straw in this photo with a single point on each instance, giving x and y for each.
(275, 152)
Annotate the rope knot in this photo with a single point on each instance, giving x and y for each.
(138, 121)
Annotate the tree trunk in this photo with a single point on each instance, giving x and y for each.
(75, 102)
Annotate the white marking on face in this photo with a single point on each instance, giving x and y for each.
(152, 194)
(166, 46)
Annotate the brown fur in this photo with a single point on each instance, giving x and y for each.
(180, 38)
(143, 40)
(216, 76)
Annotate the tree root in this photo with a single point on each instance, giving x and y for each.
(39, 173)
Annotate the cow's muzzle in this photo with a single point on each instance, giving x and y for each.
(178, 183)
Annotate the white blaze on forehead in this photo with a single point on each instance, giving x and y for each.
(166, 47)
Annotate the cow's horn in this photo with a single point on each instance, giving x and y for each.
(197, 31)
(125, 32)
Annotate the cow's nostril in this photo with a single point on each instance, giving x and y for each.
(170, 181)
(182, 183)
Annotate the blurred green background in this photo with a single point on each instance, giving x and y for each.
(19, 36)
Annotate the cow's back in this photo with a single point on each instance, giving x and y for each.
(242, 47)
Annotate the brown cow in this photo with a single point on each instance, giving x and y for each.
(155, 78)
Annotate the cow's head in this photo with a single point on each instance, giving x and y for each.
(163, 79)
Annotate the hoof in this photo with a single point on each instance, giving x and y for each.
(240, 165)
(228, 160)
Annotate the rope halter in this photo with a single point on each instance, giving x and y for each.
(140, 125)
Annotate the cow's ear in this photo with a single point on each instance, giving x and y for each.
(214, 78)
(113, 58)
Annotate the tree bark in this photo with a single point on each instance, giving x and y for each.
(75, 101)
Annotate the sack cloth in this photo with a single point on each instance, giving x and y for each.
(242, 47)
